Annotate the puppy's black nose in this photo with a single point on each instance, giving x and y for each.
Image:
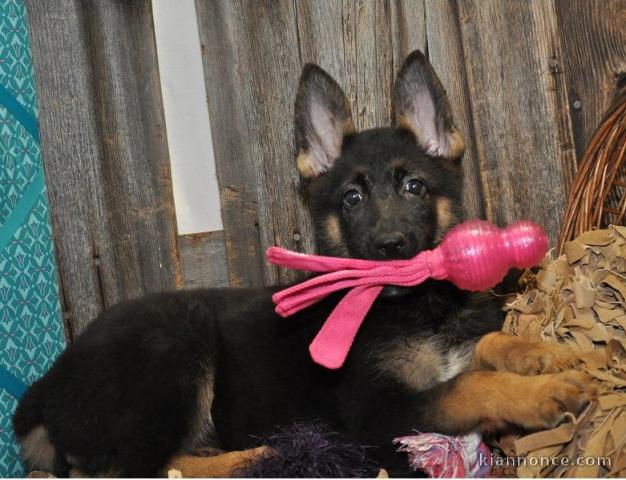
(390, 244)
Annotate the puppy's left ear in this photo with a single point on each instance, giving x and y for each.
(422, 107)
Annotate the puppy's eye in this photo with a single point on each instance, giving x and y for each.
(352, 197)
(415, 187)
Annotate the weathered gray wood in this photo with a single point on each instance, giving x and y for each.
(374, 61)
(445, 52)
(66, 114)
(408, 29)
(519, 159)
(507, 48)
(513, 71)
(252, 54)
(593, 34)
(321, 32)
(203, 260)
(361, 44)
(104, 150)
(328, 35)
(251, 63)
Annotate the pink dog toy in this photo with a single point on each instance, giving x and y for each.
(444, 456)
(474, 255)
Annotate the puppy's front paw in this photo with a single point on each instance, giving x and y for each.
(540, 358)
(551, 396)
(507, 353)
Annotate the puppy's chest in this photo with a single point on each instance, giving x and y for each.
(422, 362)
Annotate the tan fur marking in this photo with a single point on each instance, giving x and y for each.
(37, 449)
(334, 236)
(457, 144)
(220, 466)
(348, 127)
(490, 400)
(507, 353)
(415, 363)
(304, 165)
(76, 473)
(306, 162)
(421, 364)
(396, 162)
(445, 217)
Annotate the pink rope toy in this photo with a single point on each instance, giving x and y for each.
(444, 456)
(474, 255)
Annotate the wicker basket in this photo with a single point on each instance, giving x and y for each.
(597, 198)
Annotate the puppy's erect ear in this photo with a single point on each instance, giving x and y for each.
(323, 120)
(422, 107)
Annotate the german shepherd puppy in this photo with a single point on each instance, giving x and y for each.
(159, 376)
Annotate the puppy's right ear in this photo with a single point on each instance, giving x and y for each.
(323, 120)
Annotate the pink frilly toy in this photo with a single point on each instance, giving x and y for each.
(443, 456)
(474, 255)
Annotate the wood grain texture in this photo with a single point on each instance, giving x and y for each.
(445, 52)
(252, 54)
(593, 34)
(374, 60)
(203, 260)
(251, 62)
(514, 109)
(105, 152)
(513, 71)
(514, 114)
(362, 45)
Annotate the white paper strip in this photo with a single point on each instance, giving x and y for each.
(196, 194)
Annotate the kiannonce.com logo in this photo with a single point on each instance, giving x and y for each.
(498, 461)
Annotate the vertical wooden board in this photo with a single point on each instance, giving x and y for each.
(353, 42)
(374, 61)
(231, 128)
(140, 241)
(445, 52)
(203, 260)
(251, 61)
(362, 45)
(105, 152)
(558, 94)
(321, 37)
(513, 109)
(70, 151)
(408, 29)
(593, 36)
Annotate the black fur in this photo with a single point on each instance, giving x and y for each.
(123, 398)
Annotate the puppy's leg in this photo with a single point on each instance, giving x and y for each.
(487, 401)
(216, 466)
(507, 353)
(472, 401)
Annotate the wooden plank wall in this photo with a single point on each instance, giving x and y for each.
(516, 72)
(105, 152)
(528, 81)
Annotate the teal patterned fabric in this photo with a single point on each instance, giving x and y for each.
(31, 328)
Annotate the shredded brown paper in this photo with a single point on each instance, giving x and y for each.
(579, 300)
